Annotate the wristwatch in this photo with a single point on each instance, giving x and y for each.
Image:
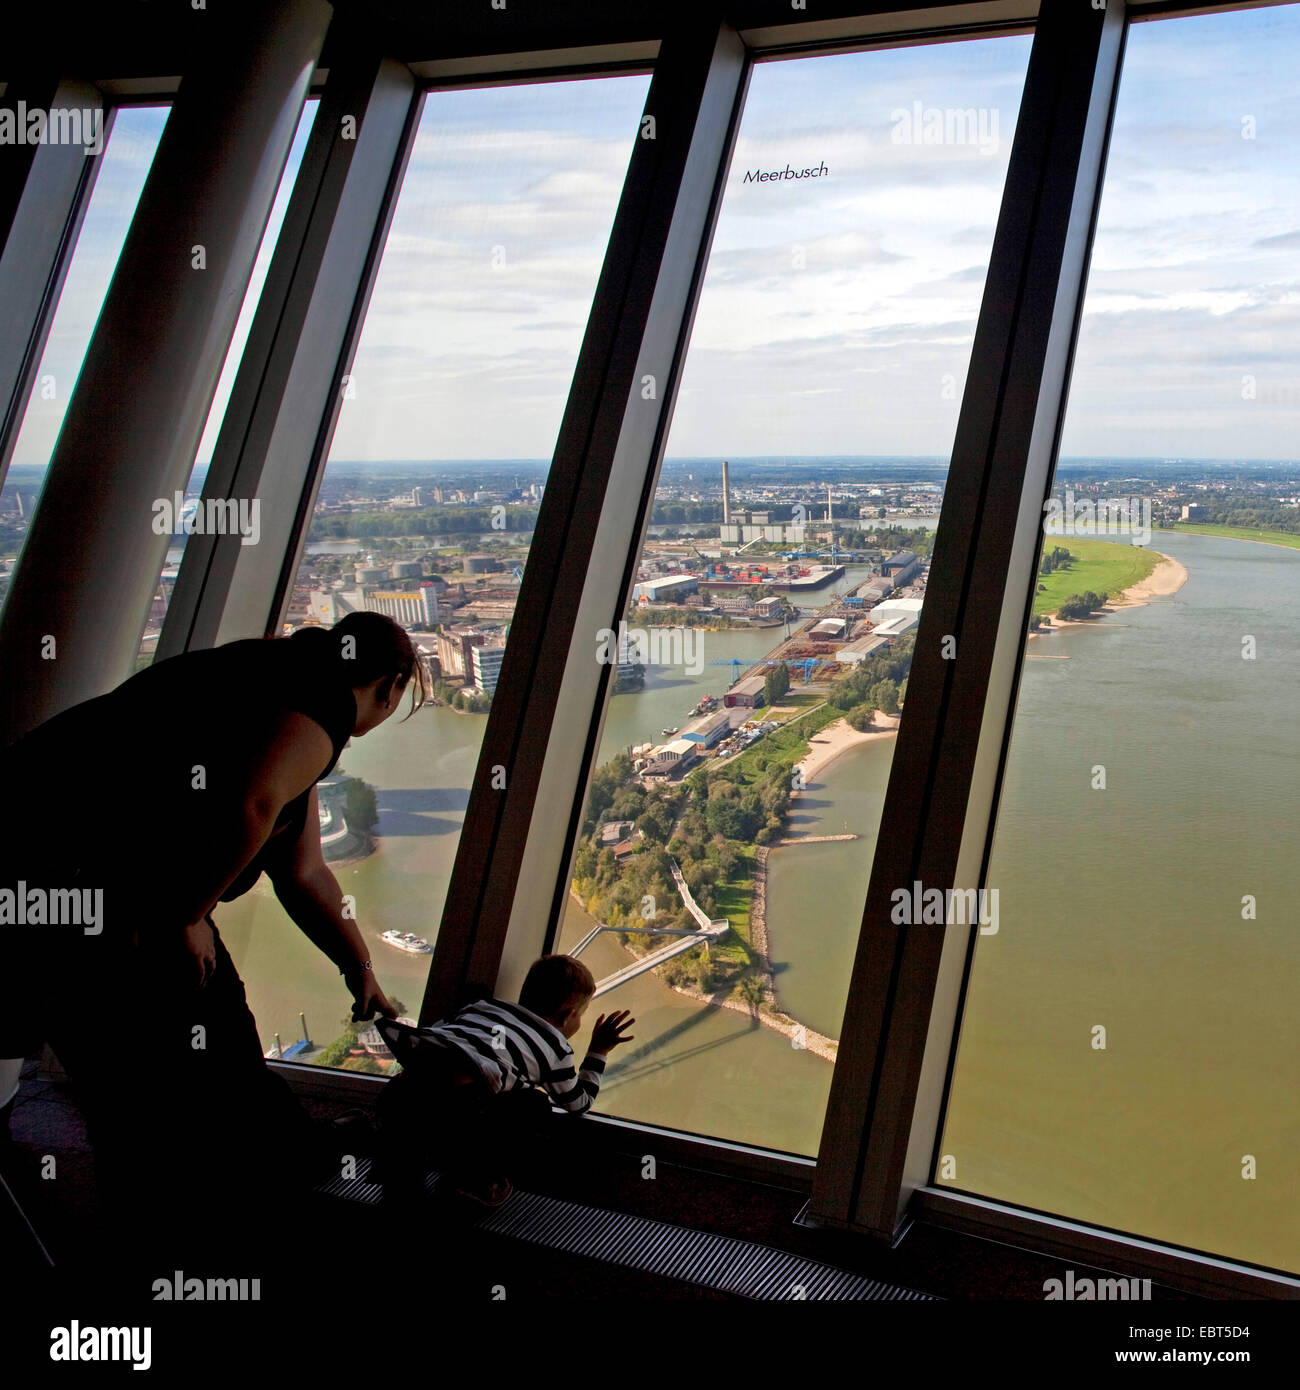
(363, 967)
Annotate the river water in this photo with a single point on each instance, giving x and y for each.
(1122, 909)
(1118, 907)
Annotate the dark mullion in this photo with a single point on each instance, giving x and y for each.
(372, 86)
(873, 1095)
(520, 727)
(1004, 749)
(645, 507)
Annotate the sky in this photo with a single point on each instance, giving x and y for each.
(838, 312)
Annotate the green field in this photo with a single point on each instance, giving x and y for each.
(1102, 566)
(732, 900)
(798, 697)
(1240, 533)
(785, 745)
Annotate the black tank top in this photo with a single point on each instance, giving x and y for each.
(127, 789)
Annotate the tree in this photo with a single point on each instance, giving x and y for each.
(359, 806)
(725, 817)
(655, 822)
(335, 1054)
(726, 857)
(584, 863)
(860, 717)
(605, 781)
(776, 683)
(628, 803)
(1082, 605)
(884, 695)
(1057, 558)
(750, 990)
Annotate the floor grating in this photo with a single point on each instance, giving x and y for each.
(724, 1263)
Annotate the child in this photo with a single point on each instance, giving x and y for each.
(464, 1100)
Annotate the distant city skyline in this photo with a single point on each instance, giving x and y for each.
(837, 312)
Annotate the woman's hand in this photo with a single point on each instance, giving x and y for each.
(200, 944)
(367, 998)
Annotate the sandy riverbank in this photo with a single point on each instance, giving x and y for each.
(1167, 578)
(829, 743)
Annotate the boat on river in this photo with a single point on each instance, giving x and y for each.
(406, 941)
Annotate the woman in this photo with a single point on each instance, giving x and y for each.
(139, 812)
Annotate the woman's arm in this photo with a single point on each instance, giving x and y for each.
(310, 894)
(279, 766)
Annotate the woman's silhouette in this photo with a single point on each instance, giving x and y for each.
(142, 810)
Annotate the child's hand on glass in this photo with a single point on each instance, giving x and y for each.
(608, 1032)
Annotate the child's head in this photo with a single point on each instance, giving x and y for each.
(558, 989)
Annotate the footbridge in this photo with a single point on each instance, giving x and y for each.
(710, 929)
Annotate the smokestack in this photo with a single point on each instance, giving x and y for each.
(726, 494)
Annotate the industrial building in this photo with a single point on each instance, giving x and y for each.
(895, 616)
(900, 568)
(670, 759)
(861, 648)
(876, 588)
(709, 730)
(783, 533)
(746, 694)
(485, 666)
(828, 630)
(412, 608)
(669, 589)
(456, 646)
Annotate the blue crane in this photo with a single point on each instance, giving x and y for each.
(809, 664)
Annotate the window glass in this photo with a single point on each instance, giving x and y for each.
(1127, 1052)
(123, 167)
(225, 384)
(427, 504)
(768, 637)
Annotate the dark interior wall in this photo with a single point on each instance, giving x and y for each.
(143, 38)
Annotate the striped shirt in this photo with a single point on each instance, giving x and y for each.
(513, 1047)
